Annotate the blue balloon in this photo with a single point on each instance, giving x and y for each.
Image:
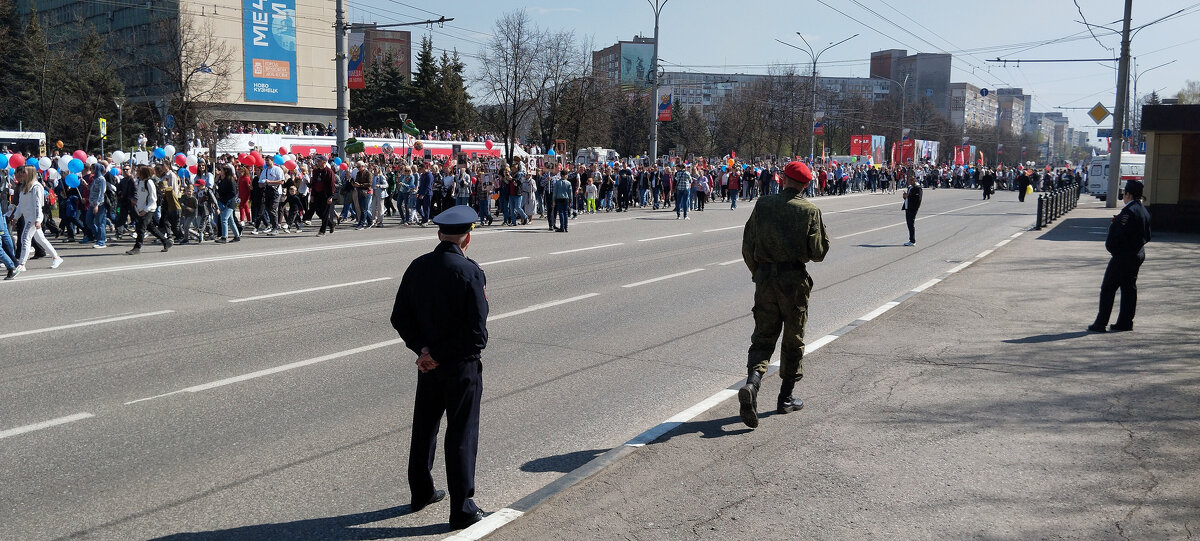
(159, 153)
(71, 180)
(3, 161)
(114, 172)
(550, 152)
(184, 173)
(278, 159)
(337, 161)
(75, 165)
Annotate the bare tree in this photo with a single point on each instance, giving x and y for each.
(199, 67)
(513, 75)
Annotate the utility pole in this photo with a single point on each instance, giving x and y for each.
(657, 6)
(1114, 155)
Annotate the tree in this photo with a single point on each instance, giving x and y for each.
(511, 74)
(456, 109)
(427, 98)
(16, 74)
(1190, 94)
(387, 94)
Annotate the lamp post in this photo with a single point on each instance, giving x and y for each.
(120, 103)
(657, 6)
(1137, 76)
(812, 139)
(903, 97)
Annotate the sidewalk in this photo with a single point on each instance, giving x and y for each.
(978, 408)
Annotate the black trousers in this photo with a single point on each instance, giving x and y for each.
(453, 389)
(910, 217)
(147, 222)
(1121, 274)
(321, 208)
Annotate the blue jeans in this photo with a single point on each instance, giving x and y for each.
(462, 200)
(485, 209)
(515, 208)
(227, 222)
(8, 252)
(681, 202)
(364, 203)
(98, 222)
(733, 195)
(563, 208)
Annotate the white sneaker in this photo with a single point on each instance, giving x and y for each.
(99, 246)
(57, 261)
(910, 244)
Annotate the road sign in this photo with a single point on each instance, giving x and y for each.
(1099, 112)
(1142, 146)
(983, 92)
(1103, 132)
(1127, 132)
(169, 122)
(103, 128)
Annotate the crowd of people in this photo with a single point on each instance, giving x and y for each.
(111, 199)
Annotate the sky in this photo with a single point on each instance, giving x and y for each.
(741, 37)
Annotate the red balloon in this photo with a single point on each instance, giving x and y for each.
(180, 160)
(259, 162)
(291, 165)
(343, 166)
(16, 160)
(283, 150)
(80, 155)
(192, 169)
(256, 155)
(488, 144)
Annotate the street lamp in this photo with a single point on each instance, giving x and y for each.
(903, 97)
(657, 6)
(1135, 95)
(812, 139)
(120, 103)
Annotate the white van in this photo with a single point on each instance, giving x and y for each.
(590, 155)
(1133, 167)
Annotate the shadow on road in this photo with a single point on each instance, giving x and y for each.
(1077, 229)
(1043, 338)
(339, 528)
(715, 428)
(563, 463)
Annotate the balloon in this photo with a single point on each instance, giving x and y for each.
(278, 159)
(343, 167)
(291, 165)
(74, 166)
(246, 160)
(289, 158)
(259, 161)
(387, 148)
(337, 161)
(255, 154)
(91, 160)
(63, 161)
(119, 157)
(58, 143)
(54, 174)
(159, 153)
(180, 160)
(191, 160)
(730, 161)
(183, 173)
(114, 172)
(169, 149)
(72, 180)
(550, 152)
(283, 150)
(3, 161)
(488, 144)
(16, 160)
(192, 169)
(79, 155)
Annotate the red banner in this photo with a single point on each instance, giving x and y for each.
(907, 149)
(860, 145)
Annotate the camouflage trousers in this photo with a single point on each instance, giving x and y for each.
(780, 304)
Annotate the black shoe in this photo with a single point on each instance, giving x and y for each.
(167, 245)
(221, 240)
(1096, 328)
(748, 397)
(1116, 327)
(134, 251)
(458, 523)
(12, 273)
(236, 239)
(438, 495)
(558, 230)
(787, 404)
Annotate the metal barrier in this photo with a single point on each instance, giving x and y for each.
(1055, 203)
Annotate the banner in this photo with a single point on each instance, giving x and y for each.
(904, 134)
(860, 145)
(269, 37)
(819, 123)
(960, 155)
(878, 147)
(664, 104)
(906, 151)
(355, 60)
(895, 155)
(635, 66)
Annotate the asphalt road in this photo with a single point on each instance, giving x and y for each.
(205, 394)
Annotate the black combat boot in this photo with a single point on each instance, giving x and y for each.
(786, 403)
(748, 396)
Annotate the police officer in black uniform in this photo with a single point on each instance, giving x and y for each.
(1127, 238)
(441, 313)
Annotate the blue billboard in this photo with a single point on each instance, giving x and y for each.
(269, 39)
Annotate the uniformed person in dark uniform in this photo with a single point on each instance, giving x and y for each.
(441, 313)
(1127, 238)
(783, 233)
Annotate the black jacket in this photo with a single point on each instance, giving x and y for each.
(914, 198)
(442, 305)
(1129, 232)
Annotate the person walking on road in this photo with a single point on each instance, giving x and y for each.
(29, 208)
(683, 187)
(563, 191)
(441, 314)
(784, 232)
(1127, 238)
(1023, 184)
(912, 203)
(145, 205)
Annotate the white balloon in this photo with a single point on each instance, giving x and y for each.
(91, 160)
(44, 163)
(191, 160)
(63, 161)
(119, 157)
(290, 158)
(170, 150)
(53, 174)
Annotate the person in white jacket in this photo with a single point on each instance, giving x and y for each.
(145, 203)
(33, 198)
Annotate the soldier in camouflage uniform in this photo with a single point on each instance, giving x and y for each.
(783, 233)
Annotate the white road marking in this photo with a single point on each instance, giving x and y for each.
(680, 418)
(44, 424)
(960, 266)
(724, 228)
(731, 261)
(231, 257)
(819, 343)
(503, 261)
(984, 254)
(285, 293)
(588, 248)
(1003, 242)
(666, 237)
(540, 306)
(904, 223)
(879, 311)
(660, 278)
(85, 324)
(926, 285)
(274, 370)
(1017, 234)
(859, 208)
(489, 524)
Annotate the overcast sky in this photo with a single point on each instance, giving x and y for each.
(740, 37)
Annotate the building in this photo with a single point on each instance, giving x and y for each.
(277, 58)
(969, 108)
(923, 75)
(1172, 165)
(1013, 111)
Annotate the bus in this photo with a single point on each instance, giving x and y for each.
(1133, 167)
(32, 143)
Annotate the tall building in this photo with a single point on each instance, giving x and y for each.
(278, 65)
(970, 108)
(927, 76)
(1012, 96)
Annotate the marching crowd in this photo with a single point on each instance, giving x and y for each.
(107, 197)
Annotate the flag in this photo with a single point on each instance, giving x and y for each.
(819, 124)
(664, 104)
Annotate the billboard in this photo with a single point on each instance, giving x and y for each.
(635, 65)
(819, 123)
(380, 44)
(357, 80)
(269, 34)
(664, 104)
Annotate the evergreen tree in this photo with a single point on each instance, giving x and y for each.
(387, 94)
(454, 101)
(426, 91)
(15, 74)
